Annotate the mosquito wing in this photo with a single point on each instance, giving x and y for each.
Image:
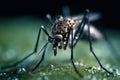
(93, 16)
(94, 32)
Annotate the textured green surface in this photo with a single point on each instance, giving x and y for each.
(17, 39)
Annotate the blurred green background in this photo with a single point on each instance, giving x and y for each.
(17, 39)
(19, 25)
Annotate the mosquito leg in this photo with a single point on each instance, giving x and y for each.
(42, 58)
(80, 29)
(34, 51)
(77, 34)
(91, 48)
(67, 39)
(80, 75)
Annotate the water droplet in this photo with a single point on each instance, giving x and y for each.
(107, 74)
(92, 69)
(52, 66)
(16, 79)
(76, 37)
(56, 69)
(81, 64)
(99, 68)
(21, 70)
(12, 78)
(46, 78)
(76, 63)
(104, 79)
(117, 71)
(39, 78)
(42, 73)
(2, 74)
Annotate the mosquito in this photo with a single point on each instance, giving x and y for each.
(65, 33)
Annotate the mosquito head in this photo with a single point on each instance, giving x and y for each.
(58, 37)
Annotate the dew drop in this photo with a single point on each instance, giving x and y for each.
(12, 78)
(92, 69)
(56, 69)
(106, 74)
(99, 68)
(46, 78)
(76, 37)
(81, 64)
(39, 78)
(42, 73)
(117, 71)
(76, 63)
(21, 70)
(104, 79)
(3, 73)
(52, 66)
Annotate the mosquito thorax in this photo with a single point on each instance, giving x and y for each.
(62, 25)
